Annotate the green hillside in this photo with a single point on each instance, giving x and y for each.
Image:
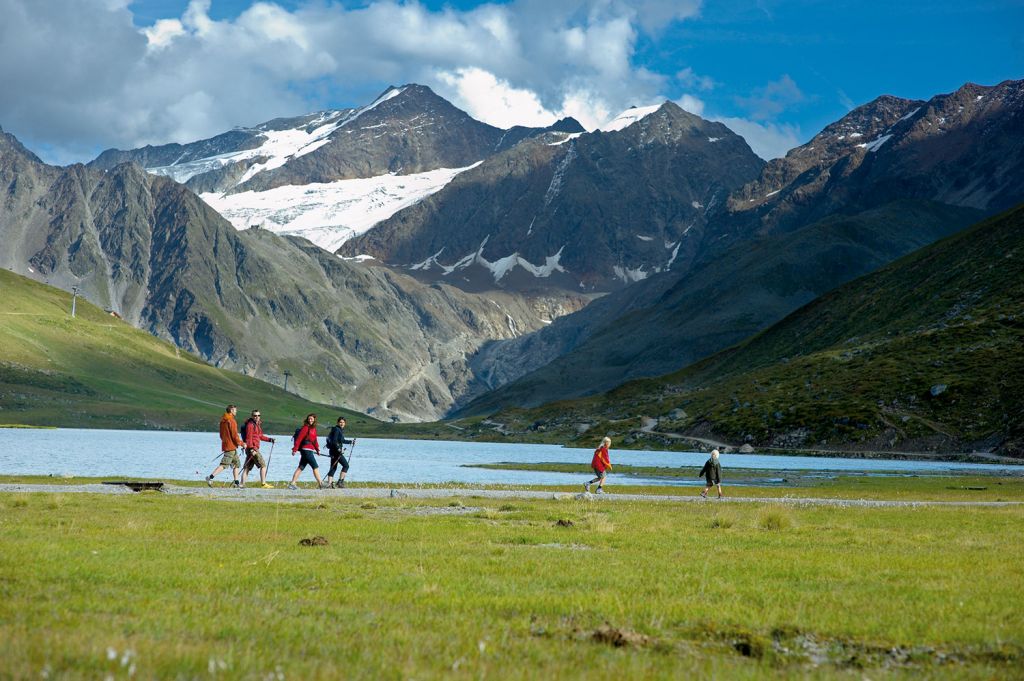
(95, 371)
(924, 354)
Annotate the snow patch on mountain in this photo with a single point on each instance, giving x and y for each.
(875, 144)
(278, 147)
(628, 118)
(498, 268)
(328, 214)
(628, 275)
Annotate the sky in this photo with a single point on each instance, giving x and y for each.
(80, 76)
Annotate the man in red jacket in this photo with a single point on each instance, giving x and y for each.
(252, 433)
(229, 444)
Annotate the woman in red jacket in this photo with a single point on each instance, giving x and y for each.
(601, 465)
(307, 446)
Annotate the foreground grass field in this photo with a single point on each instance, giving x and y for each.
(149, 586)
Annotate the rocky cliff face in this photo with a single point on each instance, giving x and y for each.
(149, 249)
(592, 211)
(962, 149)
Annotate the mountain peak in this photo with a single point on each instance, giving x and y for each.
(629, 117)
(9, 144)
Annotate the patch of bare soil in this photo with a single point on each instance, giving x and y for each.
(314, 541)
(620, 638)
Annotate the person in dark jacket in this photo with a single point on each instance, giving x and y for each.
(307, 446)
(712, 473)
(335, 441)
(252, 434)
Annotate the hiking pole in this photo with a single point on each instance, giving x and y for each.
(350, 450)
(269, 457)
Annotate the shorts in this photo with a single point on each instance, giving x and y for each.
(600, 474)
(307, 457)
(254, 458)
(229, 459)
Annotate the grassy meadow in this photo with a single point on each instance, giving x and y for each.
(96, 371)
(151, 585)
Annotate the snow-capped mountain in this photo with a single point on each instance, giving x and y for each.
(149, 249)
(330, 175)
(583, 211)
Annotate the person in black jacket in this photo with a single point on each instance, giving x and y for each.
(712, 473)
(335, 440)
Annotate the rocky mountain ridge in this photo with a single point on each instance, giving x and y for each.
(147, 248)
(829, 211)
(332, 174)
(591, 211)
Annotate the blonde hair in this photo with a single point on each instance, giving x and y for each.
(606, 441)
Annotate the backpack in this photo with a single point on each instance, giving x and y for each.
(245, 430)
(295, 436)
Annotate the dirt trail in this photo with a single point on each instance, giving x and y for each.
(301, 495)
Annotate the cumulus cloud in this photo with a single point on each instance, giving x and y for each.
(80, 76)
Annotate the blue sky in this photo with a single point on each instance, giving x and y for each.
(775, 71)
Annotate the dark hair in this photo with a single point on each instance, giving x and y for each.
(341, 418)
(305, 420)
(230, 407)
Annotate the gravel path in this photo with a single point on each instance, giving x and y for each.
(300, 495)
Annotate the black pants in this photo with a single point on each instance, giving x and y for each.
(336, 458)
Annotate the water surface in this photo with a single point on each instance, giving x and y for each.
(191, 456)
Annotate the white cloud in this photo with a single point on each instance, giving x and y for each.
(688, 79)
(163, 32)
(767, 140)
(80, 76)
(494, 101)
(691, 104)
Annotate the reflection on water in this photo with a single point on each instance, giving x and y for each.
(191, 456)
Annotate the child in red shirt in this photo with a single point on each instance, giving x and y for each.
(601, 465)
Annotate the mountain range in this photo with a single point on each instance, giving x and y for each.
(479, 269)
(831, 210)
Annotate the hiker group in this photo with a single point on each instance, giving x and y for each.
(304, 443)
(601, 463)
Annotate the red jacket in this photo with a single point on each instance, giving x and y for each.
(254, 434)
(601, 462)
(306, 439)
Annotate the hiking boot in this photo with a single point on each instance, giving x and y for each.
(237, 485)
(600, 490)
(328, 483)
(703, 495)
(267, 485)
(341, 484)
(292, 485)
(209, 481)
(586, 487)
